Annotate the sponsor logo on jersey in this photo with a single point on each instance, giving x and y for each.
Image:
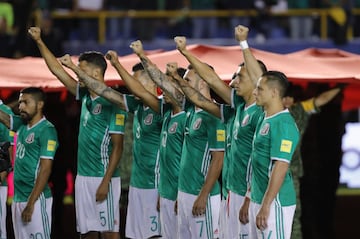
(97, 109)
(30, 138)
(286, 146)
(197, 124)
(220, 135)
(51, 145)
(173, 128)
(148, 119)
(120, 119)
(11, 133)
(265, 129)
(245, 121)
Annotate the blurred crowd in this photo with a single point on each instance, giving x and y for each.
(17, 15)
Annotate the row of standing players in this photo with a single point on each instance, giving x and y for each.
(249, 139)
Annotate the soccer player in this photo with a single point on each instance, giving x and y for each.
(273, 198)
(35, 149)
(100, 142)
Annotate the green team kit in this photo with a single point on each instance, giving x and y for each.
(32, 144)
(146, 130)
(275, 138)
(99, 118)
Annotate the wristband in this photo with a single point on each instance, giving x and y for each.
(244, 45)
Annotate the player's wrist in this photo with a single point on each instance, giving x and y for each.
(244, 44)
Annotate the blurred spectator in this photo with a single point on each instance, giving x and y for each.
(177, 25)
(22, 13)
(144, 28)
(339, 20)
(50, 35)
(66, 26)
(356, 25)
(203, 27)
(263, 23)
(7, 12)
(301, 27)
(87, 25)
(118, 27)
(238, 5)
(6, 39)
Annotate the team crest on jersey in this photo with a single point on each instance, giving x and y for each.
(30, 138)
(245, 121)
(265, 129)
(148, 119)
(97, 109)
(197, 124)
(173, 128)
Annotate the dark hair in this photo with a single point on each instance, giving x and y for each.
(181, 71)
(36, 92)
(294, 91)
(190, 67)
(137, 67)
(95, 58)
(280, 80)
(261, 64)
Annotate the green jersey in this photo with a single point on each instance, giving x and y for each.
(245, 122)
(227, 117)
(146, 141)
(35, 143)
(99, 119)
(172, 137)
(6, 135)
(275, 139)
(203, 133)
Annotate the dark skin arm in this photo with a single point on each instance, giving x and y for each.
(135, 87)
(160, 79)
(204, 71)
(51, 61)
(103, 189)
(94, 85)
(40, 183)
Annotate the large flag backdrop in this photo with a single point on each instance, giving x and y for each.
(310, 65)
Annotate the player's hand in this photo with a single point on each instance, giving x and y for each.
(35, 33)
(137, 47)
(102, 191)
(180, 43)
(171, 69)
(112, 56)
(199, 207)
(27, 213)
(244, 211)
(262, 217)
(66, 60)
(241, 33)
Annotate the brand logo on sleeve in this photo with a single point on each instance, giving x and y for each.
(286, 146)
(120, 118)
(51, 145)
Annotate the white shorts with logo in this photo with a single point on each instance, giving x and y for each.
(279, 222)
(205, 226)
(142, 219)
(236, 229)
(3, 197)
(168, 219)
(97, 216)
(40, 224)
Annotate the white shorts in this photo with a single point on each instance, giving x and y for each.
(279, 222)
(142, 219)
(97, 216)
(223, 223)
(168, 219)
(206, 226)
(40, 224)
(3, 197)
(236, 229)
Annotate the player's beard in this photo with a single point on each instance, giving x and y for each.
(26, 117)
